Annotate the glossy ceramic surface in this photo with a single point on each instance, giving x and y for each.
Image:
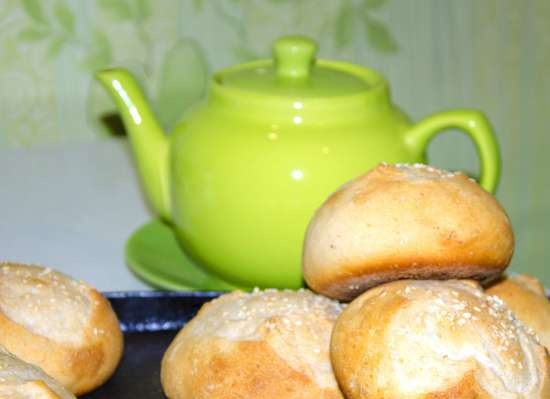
(242, 175)
(153, 254)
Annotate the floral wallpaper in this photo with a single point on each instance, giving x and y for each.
(437, 54)
(52, 48)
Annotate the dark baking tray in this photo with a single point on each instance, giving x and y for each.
(149, 320)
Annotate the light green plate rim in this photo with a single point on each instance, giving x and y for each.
(154, 255)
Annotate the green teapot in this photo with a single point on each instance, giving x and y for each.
(240, 177)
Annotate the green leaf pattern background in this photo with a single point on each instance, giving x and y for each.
(437, 54)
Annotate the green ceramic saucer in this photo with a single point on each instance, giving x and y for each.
(155, 256)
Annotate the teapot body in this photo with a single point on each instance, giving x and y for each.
(240, 178)
(244, 186)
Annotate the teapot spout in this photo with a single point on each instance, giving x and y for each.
(149, 143)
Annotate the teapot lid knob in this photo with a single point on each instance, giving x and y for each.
(294, 56)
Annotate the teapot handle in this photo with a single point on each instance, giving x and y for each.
(478, 129)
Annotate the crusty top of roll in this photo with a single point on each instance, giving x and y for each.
(264, 344)
(44, 301)
(405, 221)
(415, 338)
(64, 326)
(296, 324)
(526, 297)
(20, 380)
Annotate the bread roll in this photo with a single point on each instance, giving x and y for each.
(64, 326)
(436, 339)
(20, 380)
(270, 344)
(525, 296)
(405, 221)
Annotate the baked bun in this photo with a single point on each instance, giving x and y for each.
(20, 380)
(525, 296)
(405, 221)
(436, 339)
(63, 326)
(264, 344)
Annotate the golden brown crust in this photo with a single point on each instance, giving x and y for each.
(80, 366)
(525, 296)
(271, 344)
(20, 380)
(405, 221)
(466, 388)
(346, 286)
(225, 370)
(434, 339)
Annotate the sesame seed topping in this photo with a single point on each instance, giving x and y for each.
(48, 297)
(419, 170)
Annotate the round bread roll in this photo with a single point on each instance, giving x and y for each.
(265, 344)
(64, 326)
(405, 221)
(525, 296)
(436, 339)
(20, 380)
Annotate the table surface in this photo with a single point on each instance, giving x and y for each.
(72, 208)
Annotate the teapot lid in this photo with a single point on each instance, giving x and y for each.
(294, 72)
